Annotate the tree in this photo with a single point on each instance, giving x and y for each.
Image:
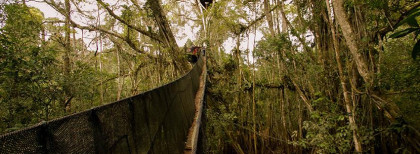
(27, 85)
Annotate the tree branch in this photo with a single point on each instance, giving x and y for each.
(259, 18)
(97, 28)
(144, 32)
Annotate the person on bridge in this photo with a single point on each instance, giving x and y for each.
(193, 54)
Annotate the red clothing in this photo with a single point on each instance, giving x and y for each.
(194, 50)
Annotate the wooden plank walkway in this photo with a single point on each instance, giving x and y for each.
(192, 140)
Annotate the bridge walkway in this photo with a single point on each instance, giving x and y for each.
(163, 120)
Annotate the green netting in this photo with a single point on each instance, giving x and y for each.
(156, 121)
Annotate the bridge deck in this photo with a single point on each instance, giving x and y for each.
(192, 139)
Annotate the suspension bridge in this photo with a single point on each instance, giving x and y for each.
(166, 119)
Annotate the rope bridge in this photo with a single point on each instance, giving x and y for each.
(156, 121)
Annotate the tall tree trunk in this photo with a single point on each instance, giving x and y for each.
(300, 127)
(283, 116)
(347, 101)
(350, 37)
(101, 88)
(253, 110)
(43, 34)
(237, 55)
(167, 35)
(67, 40)
(391, 110)
(119, 84)
(302, 95)
(66, 57)
(269, 16)
(74, 37)
(284, 24)
(82, 44)
(253, 82)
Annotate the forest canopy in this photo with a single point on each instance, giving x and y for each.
(284, 76)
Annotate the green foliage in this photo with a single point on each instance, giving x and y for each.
(325, 132)
(23, 23)
(131, 17)
(414, 28)
(31, 79)
(401, 80)
(27, 85)
(411, 18)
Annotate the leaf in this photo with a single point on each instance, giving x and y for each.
(414, 10)
(403, 32)
(412, 22)
(416, 50)
(412, 16)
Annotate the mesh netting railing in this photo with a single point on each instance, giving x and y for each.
(156, 121)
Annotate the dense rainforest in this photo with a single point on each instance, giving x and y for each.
(284, 76)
